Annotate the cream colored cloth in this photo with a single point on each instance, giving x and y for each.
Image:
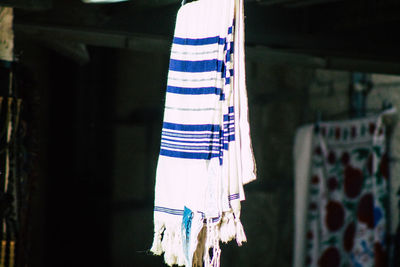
(205, 155)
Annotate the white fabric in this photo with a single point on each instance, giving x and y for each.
(205, 156)
(302, 160)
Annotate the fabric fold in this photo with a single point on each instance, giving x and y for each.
(302, 160)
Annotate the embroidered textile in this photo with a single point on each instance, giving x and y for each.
(348, 195)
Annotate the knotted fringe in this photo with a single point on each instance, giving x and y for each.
(227, 227)
(231, 228)
(212, 243)
(240, 235)
(168, 239)
(156, 248)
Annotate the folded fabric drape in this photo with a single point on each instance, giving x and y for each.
(205, 155)
(302, 159)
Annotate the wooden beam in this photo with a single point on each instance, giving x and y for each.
(27, 4)
(139, 42)
(159, 44)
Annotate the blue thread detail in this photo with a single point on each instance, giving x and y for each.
(196, 66)
(199, 41)
(191, 127)
(234, 196)
(168, 210)
(186, 230)
(187, 155)
(215, 141)
(194, 91)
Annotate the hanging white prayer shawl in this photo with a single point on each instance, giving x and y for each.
(205, 155)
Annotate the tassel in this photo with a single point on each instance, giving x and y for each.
(199, 252)
(157, 248)
(216, 260)
(240, 235)
(178, 249)
(169, 257)
(212, 243)
(227, 228)
(168, 247)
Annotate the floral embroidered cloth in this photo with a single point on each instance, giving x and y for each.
(347, 207)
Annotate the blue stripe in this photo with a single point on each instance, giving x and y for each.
(234, 196)
(195, 66)
(194, 91)
(215, 141)
(214, 136)
(199, 41)
(180, 212)
(231, 109)
(168, 210)
(191, 148)
(191, 127)
(229, 117)
(187, 155)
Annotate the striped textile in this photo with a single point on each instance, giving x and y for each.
(205, 154)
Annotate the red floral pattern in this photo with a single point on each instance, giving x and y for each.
(353, 180)
(346, 193)
(345, 158)
(334, 216)
(384, 166)
(372, 128)
(348, 238)
(318, 150)
(332, 157)
(332, 184)
(330, 258)
(337, 133)
(365, 210)
(315, 180)
(353, 132)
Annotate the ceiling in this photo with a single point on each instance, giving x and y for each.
(357, 35)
